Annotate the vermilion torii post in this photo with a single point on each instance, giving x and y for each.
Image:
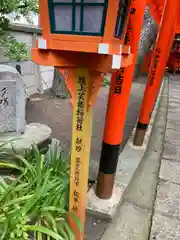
(157, 67)
(117, 106)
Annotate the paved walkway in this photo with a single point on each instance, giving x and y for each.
(151, 206)
(133, 218)
(166, 219)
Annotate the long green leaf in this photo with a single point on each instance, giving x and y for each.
(39, 234)
(8, 190)
(69, 231)
(27, 165)
(63, 232)
(3, 235)
(53, 209)
(1, 189)
(18, 200)
(3, 183)
(51, 220)
(76, 220)
(20, 187)
(4, 164)
(40, 191)
(2, 219)
(44, 230)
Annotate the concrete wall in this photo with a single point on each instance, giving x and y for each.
(36, 78)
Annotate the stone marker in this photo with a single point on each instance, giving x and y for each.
(12, 101)
(13, 129)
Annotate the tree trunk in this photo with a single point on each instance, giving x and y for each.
(59, 85)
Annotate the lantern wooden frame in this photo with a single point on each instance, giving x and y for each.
(84, 43)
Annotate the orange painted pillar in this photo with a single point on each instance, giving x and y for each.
(157, 67)
(117, 106)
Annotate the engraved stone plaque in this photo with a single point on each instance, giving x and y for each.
(12, 101)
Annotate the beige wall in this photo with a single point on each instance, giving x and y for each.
(36, 78)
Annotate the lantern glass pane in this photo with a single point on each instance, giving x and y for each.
(80, 17)
(77, 19)
(93, 16)
(121, 17)
(63, 18)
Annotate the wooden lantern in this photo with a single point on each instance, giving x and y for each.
(89, 33)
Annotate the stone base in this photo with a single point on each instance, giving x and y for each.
(105, 208)
(35, 133)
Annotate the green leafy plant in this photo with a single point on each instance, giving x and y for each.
(35, 202)
(14, 50)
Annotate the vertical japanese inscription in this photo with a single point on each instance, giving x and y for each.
(154, 66)
(79, 141)
(3, 97)
(128, 41)
(80, 102)
(128, 37)
(119, 81)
